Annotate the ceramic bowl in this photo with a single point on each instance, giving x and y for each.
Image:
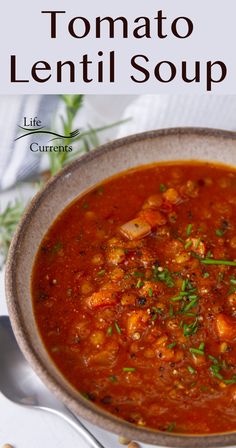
(140, 149)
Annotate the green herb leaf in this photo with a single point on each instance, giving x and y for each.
(196, 351)
(188, 244)
(113, 378)
(190, 329)
(172, 345)
(219, 232)
(171, 427)
(218, 262)
(171, 311)
(139, 284)
(191, 370)
(163, 276)
(118, 329)
(109, 331)
(129, 369)
(163, 188)
(189, 229)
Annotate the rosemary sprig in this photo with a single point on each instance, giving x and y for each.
(9, 219)
(87, 139)
(72, 105)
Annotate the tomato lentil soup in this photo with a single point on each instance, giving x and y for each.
(134, 292)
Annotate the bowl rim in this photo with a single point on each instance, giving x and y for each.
(97, 415)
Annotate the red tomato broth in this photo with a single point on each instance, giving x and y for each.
(143, 326)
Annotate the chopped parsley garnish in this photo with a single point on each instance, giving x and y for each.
(202, 346)
(190, 329)
(129, 369)
(189, 229)
(218, 262)
(57, 247)
(219, 232)
(232, 288)
(139, 274)
(216, 367)
(118, 329)
(109, 331)
(150, 292)
(157, 310)
(171, 427)
(188, 244)
(163, 276)
(102, 272)
(232, 280)
(199, 350)
(112, 378)
(139, 283)
(209, 254)
(176, 299)
(216, 370)
(172, 345)
(190, 305)
(171, 311)
(191, 370)
(196, 351)
(163, 188)
(231, 380)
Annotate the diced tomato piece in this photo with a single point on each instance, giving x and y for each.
(226, 327)
(137, 321)
(171, 195)
(153, 217)
(101, 298)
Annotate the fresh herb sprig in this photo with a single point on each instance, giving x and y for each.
(163, 275)
(9, 219)
(86, 140)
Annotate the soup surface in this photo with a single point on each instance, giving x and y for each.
(134, 291)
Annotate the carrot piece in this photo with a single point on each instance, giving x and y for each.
(101, 298)
(226, 327)
(153, 217)
(137, 321)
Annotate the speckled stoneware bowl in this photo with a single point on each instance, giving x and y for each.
(170, 144)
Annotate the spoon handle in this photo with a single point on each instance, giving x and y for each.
(87, 434)
(75, 423)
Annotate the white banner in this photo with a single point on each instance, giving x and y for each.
(124, 47)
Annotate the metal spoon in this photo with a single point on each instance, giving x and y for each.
(29, 390)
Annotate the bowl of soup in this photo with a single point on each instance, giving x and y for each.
(121, 287)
